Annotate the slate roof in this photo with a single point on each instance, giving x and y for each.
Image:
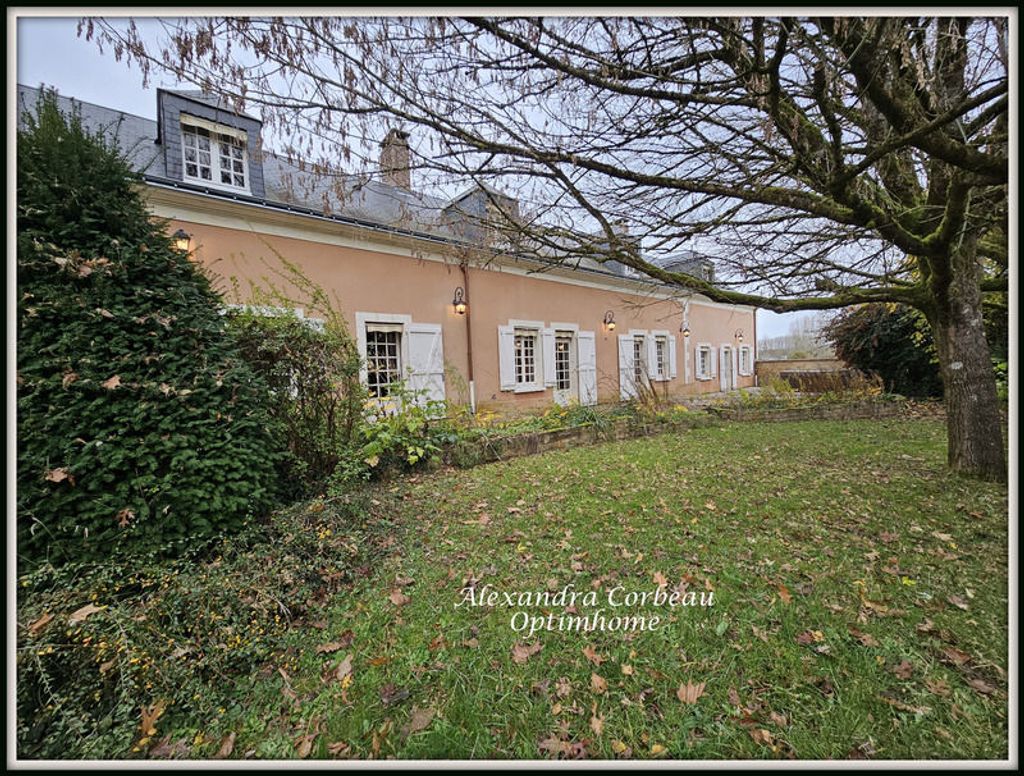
(362, 200)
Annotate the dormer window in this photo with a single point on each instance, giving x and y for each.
(214, 155)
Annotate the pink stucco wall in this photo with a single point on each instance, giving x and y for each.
(373, 281)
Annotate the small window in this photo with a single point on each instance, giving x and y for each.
(703, 362)
(638, 359)
(661, 353)
(383, 359)
(746, 359)
(526, 356)
(563, 375)
(214, 157)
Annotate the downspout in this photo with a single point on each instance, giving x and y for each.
(469, 337)
(753, 350)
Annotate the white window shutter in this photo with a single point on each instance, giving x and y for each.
(627, 386)
(586, 349)
(426, 361)
(651, 353)
(548, 356)
(672, 357)
(712, 361)
(687, 369)
(507, 357)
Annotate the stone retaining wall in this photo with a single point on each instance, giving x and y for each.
(472, 453)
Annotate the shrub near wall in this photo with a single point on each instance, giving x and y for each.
(139, 427)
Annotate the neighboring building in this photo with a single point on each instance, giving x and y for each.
(531, 334)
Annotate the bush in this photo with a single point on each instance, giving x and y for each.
(139, 427)
(315, 397)
(99, 643)
(891, 340)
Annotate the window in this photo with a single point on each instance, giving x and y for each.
(526, 357)
(383, 358)
(638, 359)
(563, 374)
(214, 155)
(703, 362)
(661, 355)
(746, 357)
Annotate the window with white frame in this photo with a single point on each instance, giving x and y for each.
(383, 358)
(526, 357)
(638, 359)
(703, 358)
(563, 367)
(214, 154)
(661, 357)
(746, 360)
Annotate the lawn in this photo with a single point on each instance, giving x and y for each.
(859, 610)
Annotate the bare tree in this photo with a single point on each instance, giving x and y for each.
(823, 162)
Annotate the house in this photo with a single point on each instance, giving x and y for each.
(508, 333)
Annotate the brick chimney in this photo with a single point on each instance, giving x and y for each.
(394, 159)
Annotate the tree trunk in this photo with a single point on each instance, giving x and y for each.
(974, 422)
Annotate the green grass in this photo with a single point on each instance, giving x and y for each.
(804, 531)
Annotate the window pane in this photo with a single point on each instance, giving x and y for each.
(383, 361)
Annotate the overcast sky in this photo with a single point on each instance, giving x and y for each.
(51, 53)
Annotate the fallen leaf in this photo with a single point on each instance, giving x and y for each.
(657, 750)
(784, 594)
(59, 475)
(341, 672)
(419, 720)
(779, 720)
(982, 686)
(227, 746)
(762, 736)
(69, 377)
(591, 654)
(626, 670)
(958, 602)
(304, 745)
(937, 686)
(598, 684)
(398, 598)
(391, 694)
(150, 715)
(337, 749)
(904, 670)
(690, 692)
(956, 656)
(37, 627)
(596, 721)
(111, 383)
(124, 517)
(344, 641)
(523, 652)
(619, 747)
(554, 746)
(864, 638)
(810, 637)
(660, 580)
(80, 615)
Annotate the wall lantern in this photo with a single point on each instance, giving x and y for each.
(459, 301)
(182, 240)
(739, 335)
(684, 329)
(609, 320)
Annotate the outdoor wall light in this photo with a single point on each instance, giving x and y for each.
(684, 329)
(609, 320)
(459, 301)
(182, 240)
(739, 335)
